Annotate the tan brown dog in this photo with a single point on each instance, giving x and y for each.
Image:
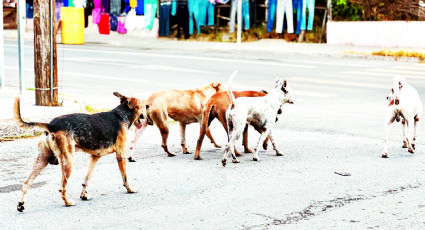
(183, 106)
(216, 108)
(97, 134)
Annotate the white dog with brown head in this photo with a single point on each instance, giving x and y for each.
(405, 105)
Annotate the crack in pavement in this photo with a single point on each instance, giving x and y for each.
(320, 207)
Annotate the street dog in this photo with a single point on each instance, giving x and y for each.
(216, 107)
(183, 106)
(260, 112)
(405, 105)
(98, 135)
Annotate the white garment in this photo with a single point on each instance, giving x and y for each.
(284, 6)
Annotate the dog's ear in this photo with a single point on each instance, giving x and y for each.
(123, 99)
(278, 83)
(216, 86)
(132, 103)
(284, 87)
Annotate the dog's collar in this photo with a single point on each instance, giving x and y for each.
(391, 102)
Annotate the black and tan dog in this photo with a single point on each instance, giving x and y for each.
(97, 134)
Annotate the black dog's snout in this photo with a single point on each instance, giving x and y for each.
(141, 116)
(396, 101)
(388, 98)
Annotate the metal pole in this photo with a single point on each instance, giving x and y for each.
(1, 49)
(51, 48)
(239, 35)
(21, 31)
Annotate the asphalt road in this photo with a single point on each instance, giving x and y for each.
(336, 125)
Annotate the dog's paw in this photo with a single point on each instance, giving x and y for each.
(278, 153)
(411, 150)
(256, 159)
(85, 196)
(69, 202)
(21, 207)
(129, 190)
(404, 144)
(247, 150)
(187, 152)
(131, 159)
(235, 161)
(384, 155)
(217, 146)
(223, 162)
(198, 158)
(170, 154)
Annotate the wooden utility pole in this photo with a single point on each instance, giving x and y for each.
(42, 55)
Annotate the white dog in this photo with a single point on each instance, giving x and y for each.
(405, 105)
(260, 112)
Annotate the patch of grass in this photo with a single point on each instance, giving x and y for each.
(400, 53)
(22, 136)
(90, 109)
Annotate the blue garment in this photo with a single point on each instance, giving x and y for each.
(150, 13)
(194, 7)
(164, 19)
(271, 14)
(140, 8)
(310, 5)
(206, 8)
(298, 6)
(174, 8)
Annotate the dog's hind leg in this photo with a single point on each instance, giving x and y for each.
(40, 163)
(183, 137)
(66, 158)
(93, 161)
(122, 164)
(403, 122)
(245, 141)
(410, 134)
(414, 133)
(389, 121)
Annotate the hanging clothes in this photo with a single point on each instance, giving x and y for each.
(164, 18)
(298, 7)
(245, 14)
(115, 7)
(104, 6)
(310, 5)
(150, 13)
(140, 9)
(104, 24)
(133, 3)
(96, 11)
(182, 14)
(271, 14)
(284, 7)
(194, 7)
(206, 12)
(87, 12)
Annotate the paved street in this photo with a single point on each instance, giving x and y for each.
(336, 126)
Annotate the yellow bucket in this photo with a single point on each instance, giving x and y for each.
(72, 25)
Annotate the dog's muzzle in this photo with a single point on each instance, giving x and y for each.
(396, 101)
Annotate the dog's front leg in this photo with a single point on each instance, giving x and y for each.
(137, 134)
(263, 137)
(93, 161)
(40, 163)
(122, 164)
(183, 138)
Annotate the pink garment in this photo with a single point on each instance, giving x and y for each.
(96, 15)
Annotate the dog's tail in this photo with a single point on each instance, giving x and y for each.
(21, 123)
(229, 90)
